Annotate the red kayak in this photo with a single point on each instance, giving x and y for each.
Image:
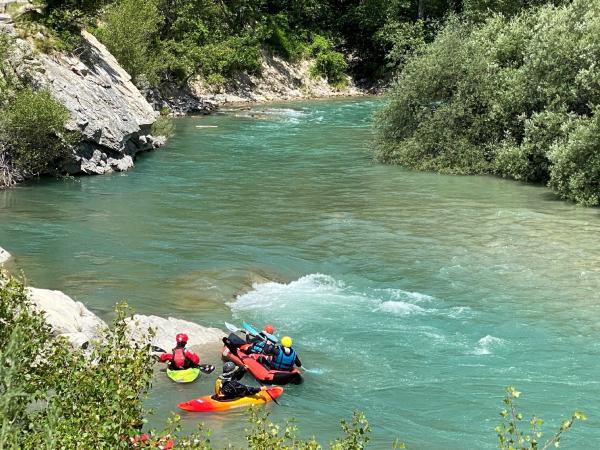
(260, 372)
(210, 404)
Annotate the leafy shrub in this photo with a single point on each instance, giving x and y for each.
(283, 41)
(128, 29)
(510, 436)
(328, 63)
(32, 130)
(502, 97)
(575, 169)
(233, 55)
(163, 126)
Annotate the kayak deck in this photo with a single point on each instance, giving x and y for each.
(183, 376)
(209, 404)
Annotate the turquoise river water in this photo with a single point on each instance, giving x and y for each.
(414, 297)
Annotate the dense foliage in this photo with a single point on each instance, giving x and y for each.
(514, 96)
(161, 41)
(32, 135)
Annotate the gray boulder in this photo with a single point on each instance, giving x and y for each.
(4, 255)
(105, 106)
(67, 317)
(166, 329)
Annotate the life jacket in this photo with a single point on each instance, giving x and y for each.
(257, 347)
(283, 361)
(180, 361)
(218, 384)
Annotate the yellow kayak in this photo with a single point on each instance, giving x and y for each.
(183, 376)
(209, 404)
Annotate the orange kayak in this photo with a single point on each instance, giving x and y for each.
(209, 404)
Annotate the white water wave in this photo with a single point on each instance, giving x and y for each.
(323, 295)
(486, 344)
(400, 308)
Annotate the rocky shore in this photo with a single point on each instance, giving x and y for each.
(73, 321)
(279, 80)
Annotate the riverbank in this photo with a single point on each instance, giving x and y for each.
(73, 321)
(278, 80)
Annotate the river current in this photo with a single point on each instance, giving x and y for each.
(414, 297)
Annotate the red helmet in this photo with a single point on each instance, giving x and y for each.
(269, 329)
(181, 338)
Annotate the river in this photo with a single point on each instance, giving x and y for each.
(414, 297)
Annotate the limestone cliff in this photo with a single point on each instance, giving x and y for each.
(105, 107)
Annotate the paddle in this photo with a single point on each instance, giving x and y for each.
(234, 329)
(204, 368)
(251, 330)
(267, 391)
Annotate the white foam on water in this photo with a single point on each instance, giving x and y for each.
(400, 308)
(399, 294)
(281, 295)
(486, 344)
(324, 295)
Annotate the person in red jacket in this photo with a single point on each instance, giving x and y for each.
(180, 358)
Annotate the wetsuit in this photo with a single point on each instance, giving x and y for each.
(227, 386)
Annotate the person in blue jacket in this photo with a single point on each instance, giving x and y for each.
(260, 342)
(281, 357)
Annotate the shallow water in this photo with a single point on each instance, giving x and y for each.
(414, 297)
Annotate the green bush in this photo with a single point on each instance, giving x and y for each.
(235, 54)
(328, 63)
(163, 126)
(32, 130)
(283, 41)
(129, 28)
(575, 169)
(511, 436)
(502, 97)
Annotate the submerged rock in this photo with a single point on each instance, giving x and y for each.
(166, 329)
(4, 255)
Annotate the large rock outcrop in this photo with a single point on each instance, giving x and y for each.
(111, 115)
(105, 106)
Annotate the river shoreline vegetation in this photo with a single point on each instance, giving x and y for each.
(53, 396)
(514, 94)
(504, 88)
(33, 139)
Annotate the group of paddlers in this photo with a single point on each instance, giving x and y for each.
(272, 353)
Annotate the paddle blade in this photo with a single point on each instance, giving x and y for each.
(207, 368)
(231, 327)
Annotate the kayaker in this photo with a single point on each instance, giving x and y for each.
(180, 358)
(259, 342)
(227, 386)
(281, 357)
